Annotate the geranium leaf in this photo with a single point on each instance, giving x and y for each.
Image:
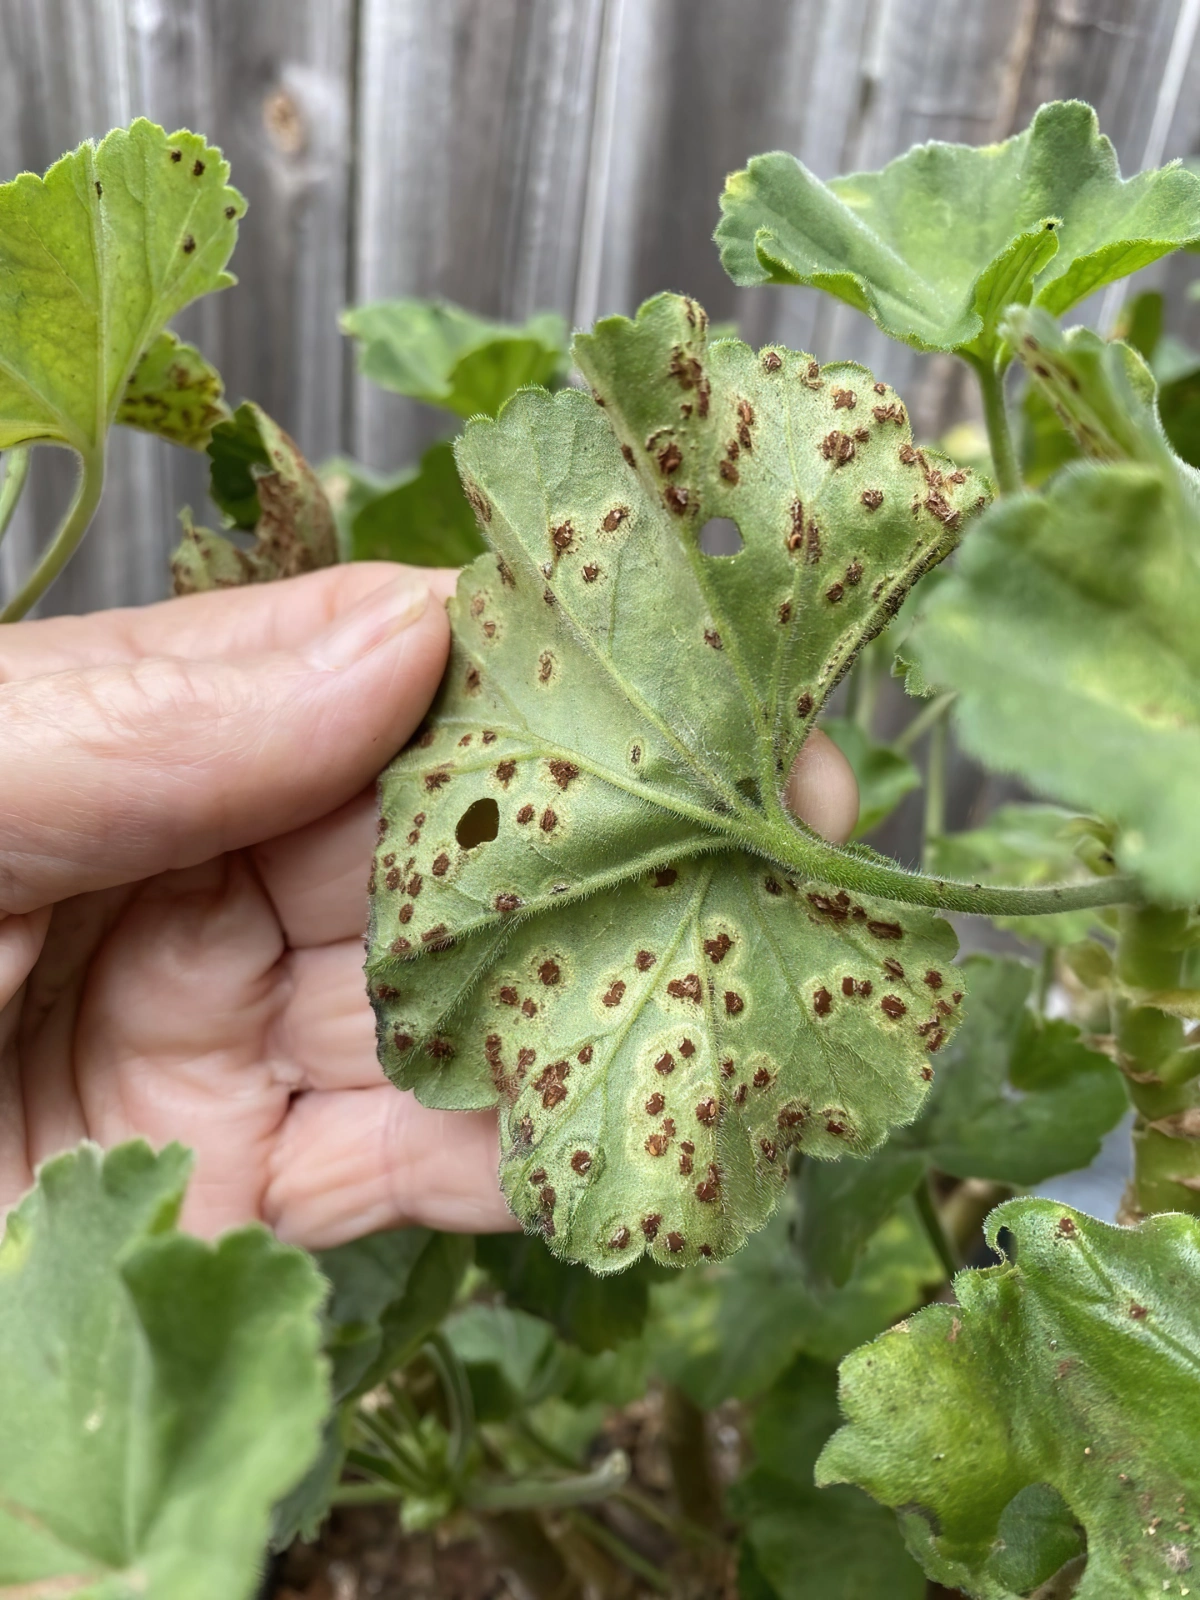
(424, 519)
(447, 357)
(96, 258)
(578, 909)
(814, 1544)
(174, 393)
(260, 480)
(884, 776)
(938, 243)
(1080, 609)
(1017, 1099)
(158, 1393)
(1070, 1366)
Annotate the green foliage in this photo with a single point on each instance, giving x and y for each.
(591, 1312)
(810, 1544)
(936, 245)
(421, 517)
(1016, 1099)
(173, 392)
(600, 953)
(1072, 1365)
(260, 481)
(884, 776)
(447, 357)
(157, 1393)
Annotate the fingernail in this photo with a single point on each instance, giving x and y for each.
(378, 617)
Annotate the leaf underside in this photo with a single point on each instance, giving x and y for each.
(577, 910)
(1072, 1367)
(174, 393)
(96, 257)
(935, 245)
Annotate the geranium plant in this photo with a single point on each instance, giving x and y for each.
(701, 1023)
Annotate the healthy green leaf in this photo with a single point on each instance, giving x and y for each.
(592, 1312)
(175, 393)
(96, 258)
(730, 1331)
(577, 910)
(1022, 842)
(936, 245)
(1016, 1099)
(1073, 1365)
(884, 776)
(1079, 610)
(158, 1393)
(447, 357)
(814, 1544)
(260, 480)
(423, 519)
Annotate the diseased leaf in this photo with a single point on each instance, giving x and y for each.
(808, 1543)
(884, 776)
(592, 1312)
(1016, 1099)
(575, 882)
(1021, 843)
(936, 245)
(261, 481)
(96, 258)
(730, 1331)
(158, 1393)
(423, 519)
(448, 357)
(175, 393)
(1072, 1365)
(1079, 610)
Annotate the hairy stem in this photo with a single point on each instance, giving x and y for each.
(71, 530)
(1000, 439)
(1166, 1132)
(16, 472)
(685, 1436)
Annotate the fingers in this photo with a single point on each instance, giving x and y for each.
(111, 774)
(351, 1162)
(822, 790)
(317, 876)
(223, 624)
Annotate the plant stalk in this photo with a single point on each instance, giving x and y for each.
(995, 416)
(935, 788)
(922, 722)
(685, 1437)
(932, 1223)
(16, 473)
(71, 530)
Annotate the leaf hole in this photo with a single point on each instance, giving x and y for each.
(721, 536)
(479, 823)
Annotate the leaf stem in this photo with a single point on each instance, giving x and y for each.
(935, 788)
(922, 722)
(16, 472)
(544, 1494)
(995, 415)
(932, 1223)
(71, 530)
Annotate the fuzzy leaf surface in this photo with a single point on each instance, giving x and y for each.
(1016, 1099)
(1071, 1366)
(158, 1393)
(578, 906)
(938, 243)
(815, 1544)
(261, 481)
(174, 393)
(1080, 609)
(447, 357)
(96, 258)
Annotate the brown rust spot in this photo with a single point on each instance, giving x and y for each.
(644, 960)
(822, 1002)
(441, 865)
(717, 949)
(892, 1006)
(549, 972)
(885, 930)
(563, 772)
(844, 399)
(525, 814)
(838, 447)
(614, 994)
(665, 1063)
(771, 361)
(706, 1111)
(656, 1104)
(733, 1003)
(872, 499)
(687, 988)
(505, 903)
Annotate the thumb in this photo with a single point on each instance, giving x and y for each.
(111, 774)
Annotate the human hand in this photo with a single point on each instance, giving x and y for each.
(186, 826)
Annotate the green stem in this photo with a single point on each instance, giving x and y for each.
(459, 1405)
(685, 1436)
(62, 547)
(1000, 439)
(364, 1494)
(1045, 978)
(545, 1494)
(613, 1545)
(932, 1223)
(840, 867)
(922, 722)
(16, 472)
(935, 788)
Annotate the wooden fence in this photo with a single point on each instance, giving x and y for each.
(520, 154)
